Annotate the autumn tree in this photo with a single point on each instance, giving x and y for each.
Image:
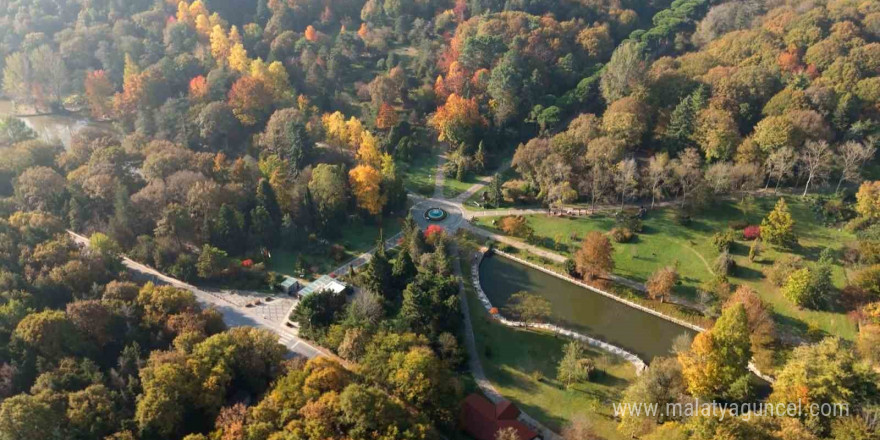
(250, 100)
(458, 120)
(717, 363)
(365, 183)
(624, 73)
(778, 227)
(868, 200)
(595, 257)
(386, 118)
(99, 93)
(759, 315)
(826, 373)
(662, 282)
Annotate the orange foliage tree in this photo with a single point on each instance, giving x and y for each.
(311, 33)
(366, 185)
(458, 120)
(250, 100)
(387, 117)
(198, 88)
(594, 258)
(99, 91)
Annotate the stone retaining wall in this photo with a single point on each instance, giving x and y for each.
(602, 345)
(672, 319)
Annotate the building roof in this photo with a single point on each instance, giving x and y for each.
(324, 283)
(482, 419)
(288, 282)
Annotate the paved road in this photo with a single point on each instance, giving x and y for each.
(234, 314)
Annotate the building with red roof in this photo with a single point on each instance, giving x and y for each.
(482, 419)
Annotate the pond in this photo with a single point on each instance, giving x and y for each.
(53, 126)
(582, 310)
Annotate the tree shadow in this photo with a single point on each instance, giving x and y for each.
(747, 273)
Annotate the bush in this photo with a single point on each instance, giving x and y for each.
(629, 221)
(621, 235)
(783, 268)
(337, 253)
(722, 240)
(571, 268)
(751, 232)
(724, 264)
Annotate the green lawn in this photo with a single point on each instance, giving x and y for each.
(355, 238)
(419, 175)
(665, 242)
(452, 187)
(521, 364)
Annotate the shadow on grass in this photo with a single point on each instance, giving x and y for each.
(747, 273)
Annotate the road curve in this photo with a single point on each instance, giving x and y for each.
(233, 315)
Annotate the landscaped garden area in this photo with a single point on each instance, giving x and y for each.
(665, 241)
(522, 365)
(315, 258)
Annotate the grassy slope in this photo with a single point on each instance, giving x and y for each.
(419, 175)
(514, 355)
(664, 242)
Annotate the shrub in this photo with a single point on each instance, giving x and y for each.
(337, 253)
(629, 221)
(868, 279)
(724, 264)
(751, 232)
(571, 267)
(783, 268)
(516, 226)
(723, 240)
(621, 235)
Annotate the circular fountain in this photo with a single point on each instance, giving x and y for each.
(435, 214)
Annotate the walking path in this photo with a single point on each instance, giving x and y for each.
(476, 367)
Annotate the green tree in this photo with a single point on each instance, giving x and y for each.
(212, 262)
(329, 192)
(824, 373)
(625, 73)
(778, 227)
(661, 384)
(683, 121)
(574, 367)
(494, 191)
(809, 287)
(49, 333)
(528, 307)
(27, 417)
(92, 412)
(317, 311)
(227, 230)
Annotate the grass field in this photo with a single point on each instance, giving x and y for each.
(419, 175)
(453, 187)
(521, 364)
(665, 242)
(355, 238)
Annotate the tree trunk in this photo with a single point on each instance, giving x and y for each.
(839, 182)
(807, 186)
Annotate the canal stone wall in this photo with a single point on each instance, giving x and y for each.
(754, 369)
(638, 363)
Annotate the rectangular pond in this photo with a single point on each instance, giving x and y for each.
(580, 309)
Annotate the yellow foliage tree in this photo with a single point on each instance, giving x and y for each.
(183, 13)
(354, 132)
(334, 126)
(366, 184)
(197, 8)
(368, 152)
(238, 59)
(279, 83)
(219, 45)
(234, 36)
(203, 26)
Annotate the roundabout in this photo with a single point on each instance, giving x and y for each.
(428, 212)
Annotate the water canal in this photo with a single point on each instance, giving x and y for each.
(582, 310)
(52, 127)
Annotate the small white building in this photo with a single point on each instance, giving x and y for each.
(325, 282)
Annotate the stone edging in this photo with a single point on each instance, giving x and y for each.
(481, 295)
(680, 322)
